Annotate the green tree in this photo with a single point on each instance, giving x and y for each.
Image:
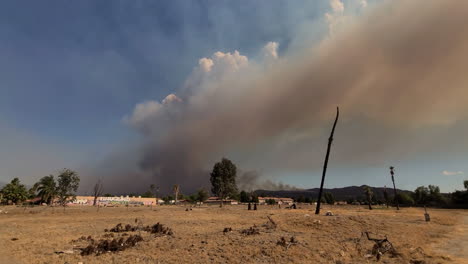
(244, 197)
(270, 201)
(254, 198)
(14, 192)
(404, 198)
(434, 194)
(223, 179)
(460, 198)
(46, 188)
(421, 195)
(68, 182)
(202, 195)
(329, 199)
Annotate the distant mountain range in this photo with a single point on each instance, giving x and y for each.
(340, 194)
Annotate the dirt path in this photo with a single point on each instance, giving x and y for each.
(457, 246)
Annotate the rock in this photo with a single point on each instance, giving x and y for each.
(329, 213)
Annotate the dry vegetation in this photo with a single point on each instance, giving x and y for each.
(229, 235)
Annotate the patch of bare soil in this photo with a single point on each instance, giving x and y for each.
(456, 246)
(231, 234)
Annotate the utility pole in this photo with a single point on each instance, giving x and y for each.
(392, 172)
(325, 164)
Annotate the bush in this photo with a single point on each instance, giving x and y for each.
(404, 199)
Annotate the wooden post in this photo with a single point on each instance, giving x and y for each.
(394, 188)
(426, 215)
(325, 164)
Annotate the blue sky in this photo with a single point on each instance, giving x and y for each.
(70, 72)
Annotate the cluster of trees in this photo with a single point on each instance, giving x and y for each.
(460, 198)
(422, 196)
(50, 190)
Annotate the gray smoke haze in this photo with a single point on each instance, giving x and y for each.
(252, 180)
(394, 71)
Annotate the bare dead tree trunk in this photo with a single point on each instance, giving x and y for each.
(386, 195)
(97, 191)
(176, 190)
(392, 172)
(325, 164)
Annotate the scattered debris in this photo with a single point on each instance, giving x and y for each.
(14, 239)
(155, 229)
(253, 230)
(159, 229)
(329, 213)
(270, 224)
(227, 229)
(285, 243)
(108, 235)
(113, 245)
(121, 228)
(382, 246)
(318, 222)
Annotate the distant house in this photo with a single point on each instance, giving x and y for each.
(278, 200)
(115, 200)
(217, 200)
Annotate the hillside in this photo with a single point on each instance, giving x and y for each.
(343, 193)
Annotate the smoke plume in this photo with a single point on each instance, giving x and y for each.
(394, 71)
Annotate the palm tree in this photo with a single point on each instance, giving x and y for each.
(46, 189)
(369, 194)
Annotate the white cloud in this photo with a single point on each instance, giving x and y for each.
(363, 3)
(149, 110)
(270, 51)
(170, 99)
(451, 173)
(336, 16)
(337, 6)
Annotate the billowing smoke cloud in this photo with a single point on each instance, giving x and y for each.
(394, 71)
(252, 180)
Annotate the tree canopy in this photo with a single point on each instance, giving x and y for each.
(46, 188)
(223, 179)
(14, 192)
(68, 182)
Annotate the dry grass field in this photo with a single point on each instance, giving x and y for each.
(51, 235)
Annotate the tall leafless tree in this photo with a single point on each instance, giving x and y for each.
(97, 191)
(176, 190)
(369, 193)
(325, 164)
(392, 172)
(154, 190)
(385, 194)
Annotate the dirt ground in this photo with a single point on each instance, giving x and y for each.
(51, 235)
